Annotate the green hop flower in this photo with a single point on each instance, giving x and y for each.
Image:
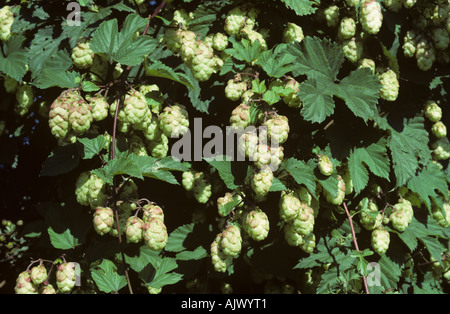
(303, 223)
(153, 96)
(136, 145)
(203, 62)
(309, 243)
(38, 274)
(155, 234)
(25, 98)
(202, 188)
(371, 16)
(348, 182)
(135, 109)
(438, 215)
(292, 33)
(220, 41)
(247, 144)
(24, 284)
(332, 15)
(82, 56)
(401, 215)
(151, 211)
(252, 35)
(65, 277)
(389, 85)
(227, 198)
(277, 129)
(256, 224)
(380, 240)
(325, 165)
(289, 206)
(174, 121)
(82, 188)
(47, 289)
(103, 220)
(292, 237)
(187, 180)
(425, 54)
(340, 193)
(231, 242)
(235, 89)
(153, 290)
(410, 43)
(441, 149)
(134, 229)
(292, 99)
(6, 21)
(432, 111)
(347, 28)
(261, 183)
(80, 117)
(371, 218)
(151, 129)
(262, 156)
(235, 21)
(219, 259)
(99, 107)
(439, 129)
(97, 191)
(240, 117)
(352, 49)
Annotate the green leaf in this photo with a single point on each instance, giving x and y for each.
(88, 86)
(15, 58)
(276, 62)
(360, 91)
(244, 50)
(92, 147)
(177, 238)
(223, 166)
(317, 98)
(408, 147)
(145, 257)
(50, 77)
(224, 210)
(302, 7)
(161, 274)
(271, 97)
(62, 159)
(106, 38)
(301, 172)
(317, 58)
(374, 157)
(116, 166)
(205, 16)
(196, 254)
(258, 87)
(62, 241)
(107, 278)
(427, 181)
(390, 272)
(159, 69)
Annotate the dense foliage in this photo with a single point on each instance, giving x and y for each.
(117, 176)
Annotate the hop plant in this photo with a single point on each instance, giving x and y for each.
(65, 277)
(235, 21)
(25, 98)
(80, 117)
(309, 243)
(367, 217)
(99, 107)
(432, 111)
(292, 33)
(347, 28)
(262, 157)
(425, 54)
(442, 218)
(220, 41)
(352, 49)
(151, 211)
(235, 89)
(174, 121)
(153, 96)
(261, 183)
(303, 223)
(103, 220)
(47, 289)
(247, 144)
(289, 207)
(82, 56)
(187, 180)
(134, 229)
(340, 193)
(371, 16)
(227, 198)
(441, 149)
(256, 224)
(99, 69)
(38, 274)
(410, 41)
(231, 242)
(59, 113)
(155, 234)
(292, 237)
(439, 129)
(204, 63)
(6, 21)
(252, 35)
(24, 284)
(277, 129)
(202, 188)
(292, 99)
(325, 165)
(240, 117)
(332, 15)
(135, 109)
(380, 240)
(401, 214)
(389, 85)
(219, 259)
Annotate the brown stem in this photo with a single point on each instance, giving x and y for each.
(350, 220)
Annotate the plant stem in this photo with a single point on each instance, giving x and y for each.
(350, 220)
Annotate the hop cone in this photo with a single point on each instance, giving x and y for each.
(292, 33)
(303, 223)
(325, 165)
(47, 289)
(151, 211)
(99, 106)
(368, 221)
(25, 98)
(155, 234)
(65, 277)
(24, 284)
(103, 220)
(277, 129)
(80, 117)
(219, 259)
(38, 274)
(82, 56)
(174, 121)
(432, 111)
(389, 85)
(340, 193)
(371, 16)
(292, 237)
(234, 90)
(256, 225)
(262, 182)
(380, 240)
(289, 207)
(136, 109)
(240, 117)
(133, 231)
(231, 242)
